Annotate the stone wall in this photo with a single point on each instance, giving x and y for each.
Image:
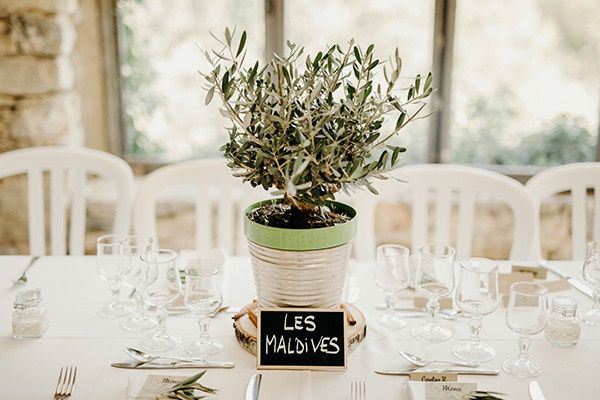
(38, 102)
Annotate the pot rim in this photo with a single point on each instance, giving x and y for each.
(294, 239)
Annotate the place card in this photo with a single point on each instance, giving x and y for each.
(556, 286)
(538, 272)
(433, 376)
(295, 338)
(156, 385)
(506, 280)
(445, 303)
(439, 390)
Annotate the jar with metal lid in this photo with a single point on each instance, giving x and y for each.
(30, 318)
(564, 325)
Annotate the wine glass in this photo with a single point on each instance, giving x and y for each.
(591, 273)
(161, 287)
(108, 259)
(526, 315)
(131, 273)
(434, 280)
(203, 297)
(477, 295)
(391, 277)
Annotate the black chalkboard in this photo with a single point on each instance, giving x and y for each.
(292, 338)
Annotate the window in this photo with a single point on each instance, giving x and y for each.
(164, 116)
(518, 82)
(525, 82)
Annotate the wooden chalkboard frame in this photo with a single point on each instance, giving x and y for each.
(301, 367)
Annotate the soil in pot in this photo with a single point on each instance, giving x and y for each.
(286, 216)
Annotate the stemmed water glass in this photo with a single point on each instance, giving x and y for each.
(434, 280)
(591, 273)
(203, 297)
(477, 295)
(526, 315)
(392, 275)
(131, 273)
(108, 259)
(161, 287)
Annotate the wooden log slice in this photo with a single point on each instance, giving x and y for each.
(246, 332)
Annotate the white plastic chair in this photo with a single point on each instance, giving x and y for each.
(442, 185)
(211, 187)
(576, 178)
(68, 169)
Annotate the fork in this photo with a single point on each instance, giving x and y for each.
(358, 390)
(66, 383)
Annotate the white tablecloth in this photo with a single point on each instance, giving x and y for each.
(78, 336)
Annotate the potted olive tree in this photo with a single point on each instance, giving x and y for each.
(308, 127)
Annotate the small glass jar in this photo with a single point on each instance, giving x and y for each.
(30, 318)
(564, 325)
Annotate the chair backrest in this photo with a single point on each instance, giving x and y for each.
(443, 185)
(576, 178)
(218, 197)
(68, 170)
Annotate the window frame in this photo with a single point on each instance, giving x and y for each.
(438, 150)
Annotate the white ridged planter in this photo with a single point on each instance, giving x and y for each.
(300, 267)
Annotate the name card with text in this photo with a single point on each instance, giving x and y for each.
(292, 338)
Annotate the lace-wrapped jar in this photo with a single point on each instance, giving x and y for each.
(30, 318)
(564, 325)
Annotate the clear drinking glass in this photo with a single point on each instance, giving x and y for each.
(131, 273)
(477, 294)
(591, 273)
(434, 280)
(161, 287)
(108, 259)
(526, 315)
(392, 275)
(203, 297)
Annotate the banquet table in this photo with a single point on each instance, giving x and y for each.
(77, 335)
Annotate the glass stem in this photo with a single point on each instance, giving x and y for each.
(596, 305)
(115, 288)
(432, 308)
(161, 318)
(390, 304)
(475, 327)
(524, 343)
(203, 323)
(141, 310)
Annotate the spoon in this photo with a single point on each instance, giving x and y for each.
(419, 362)
(143, 357)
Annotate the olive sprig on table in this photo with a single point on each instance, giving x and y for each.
(185, 390)
(484, 395)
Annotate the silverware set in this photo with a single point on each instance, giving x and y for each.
(66, 383)
(148, 361)
(413, 312)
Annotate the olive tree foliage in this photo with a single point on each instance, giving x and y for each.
(309, 126)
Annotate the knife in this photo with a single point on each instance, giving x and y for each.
(253, 387)
(576, 284)
(535, 392)
(174, 365)
(462, 371)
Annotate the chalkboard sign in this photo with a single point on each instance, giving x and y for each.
(292, 338)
